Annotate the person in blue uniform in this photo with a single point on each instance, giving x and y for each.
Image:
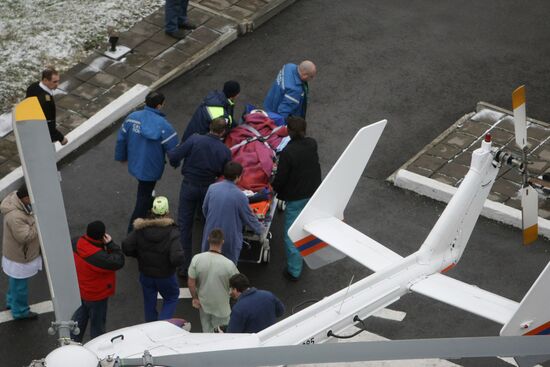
(143, 140)
(204, 157)
(254, 310)
(216, 104)
(226, 207)
(289, 92)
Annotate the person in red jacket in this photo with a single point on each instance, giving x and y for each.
(96, 259)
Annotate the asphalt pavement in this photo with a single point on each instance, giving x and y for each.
(419, 64)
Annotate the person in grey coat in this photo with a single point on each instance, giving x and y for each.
(226, 207)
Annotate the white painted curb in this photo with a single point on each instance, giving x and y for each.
(86, 131)
(442, 192)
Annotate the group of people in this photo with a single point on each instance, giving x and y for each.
(162, 246)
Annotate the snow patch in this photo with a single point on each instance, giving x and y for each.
(38, 33)
(5, 124)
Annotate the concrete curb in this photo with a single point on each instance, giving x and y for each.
(104, 118)
(442, 192)
(256, 20)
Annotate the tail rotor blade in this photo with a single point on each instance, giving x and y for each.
(530, 214)
(520, 125)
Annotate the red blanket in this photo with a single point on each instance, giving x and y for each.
(256, 157)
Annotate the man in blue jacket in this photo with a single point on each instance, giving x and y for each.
(288, 95)
(254, 310)
(216, 104)
(143, 140)
(204, 157)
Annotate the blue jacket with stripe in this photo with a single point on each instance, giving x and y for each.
(143, 140)
(287, 96)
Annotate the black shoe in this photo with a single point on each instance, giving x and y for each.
(177, 34)
(30, 316)
(187, 25)
(290, 277)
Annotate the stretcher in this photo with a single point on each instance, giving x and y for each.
(254, 144)
(256, 248)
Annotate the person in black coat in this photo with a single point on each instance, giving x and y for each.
(298, 177)
(155, 242)
(43, 90)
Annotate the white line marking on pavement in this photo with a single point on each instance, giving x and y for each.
(184, 293)
(388, 314)
(42, 307)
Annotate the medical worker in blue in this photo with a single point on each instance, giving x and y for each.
(143, 140)
(226, 207)
(288, 95)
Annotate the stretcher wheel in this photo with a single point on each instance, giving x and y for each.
(281, 205)
(266, 256)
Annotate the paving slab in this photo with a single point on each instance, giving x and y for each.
(217, 4)
(121, 69)
(145, 29)
(423, 175)
(82, 72)
(72, 102)
(474, 128)
(205, 35)
(198, 16)
(220, 24)
(163, 39)
(68, 83)
(189, 46)
(157, 18)
(150, 48)
(98, 62)
(131, 39)
(429, 162)
(88, 91)
(453, 169)
(104, 80)
(459, 140)
(444, 151)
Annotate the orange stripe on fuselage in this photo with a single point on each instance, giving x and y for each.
(305, 240)
(448, 268)
(313, 249)
(539, 329)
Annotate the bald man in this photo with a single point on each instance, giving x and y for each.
(289, 93)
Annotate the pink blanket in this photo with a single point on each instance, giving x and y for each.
(256, 157)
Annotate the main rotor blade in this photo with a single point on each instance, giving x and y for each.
(39, 167)
(520, 124)
(529, 214)
(446, 348)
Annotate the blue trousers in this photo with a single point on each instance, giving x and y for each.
(168, 289)
(144, 201)
(17, 297)
(96, 313)
(175, 14)
(294, 261)
(191, 199)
